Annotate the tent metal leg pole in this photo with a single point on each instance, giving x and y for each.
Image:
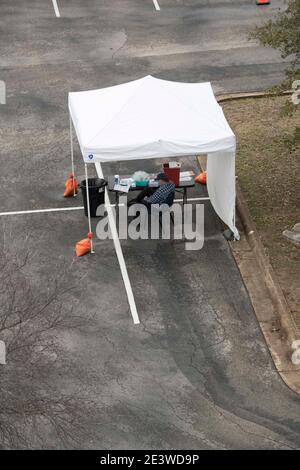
(234, 218)
(72, 153)
(119, 252)
(234, 215)
(88, 204)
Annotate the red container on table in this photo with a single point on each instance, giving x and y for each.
(172, 173)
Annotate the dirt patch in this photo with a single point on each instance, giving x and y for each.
(268, 168)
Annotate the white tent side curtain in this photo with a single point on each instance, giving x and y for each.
(153, 118)
(221, 186)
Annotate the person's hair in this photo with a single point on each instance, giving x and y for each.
(163, 177)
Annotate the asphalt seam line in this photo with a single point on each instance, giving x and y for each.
(56, 10)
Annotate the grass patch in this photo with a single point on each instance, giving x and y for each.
(268, 167)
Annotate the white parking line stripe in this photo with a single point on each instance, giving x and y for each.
(119, 252)
(56, 10)
(78, 208)
(40, 211)
(157, 7)
(194, 199)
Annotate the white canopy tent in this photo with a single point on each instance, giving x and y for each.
(153, 118)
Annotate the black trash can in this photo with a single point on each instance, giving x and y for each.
(96, 194)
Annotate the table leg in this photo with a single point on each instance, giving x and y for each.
(117, 209)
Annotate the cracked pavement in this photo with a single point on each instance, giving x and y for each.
(196, 374)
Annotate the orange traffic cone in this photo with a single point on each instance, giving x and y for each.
(71, 186)
(262, 2)
(201, 178)
(83, 247)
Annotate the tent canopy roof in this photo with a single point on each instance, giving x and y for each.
(149, 118)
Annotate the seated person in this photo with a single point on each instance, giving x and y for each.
(164, 194)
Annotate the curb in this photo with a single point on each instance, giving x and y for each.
(275, 319)
(269, 304)
(252, 94)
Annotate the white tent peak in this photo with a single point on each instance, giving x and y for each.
(148, 118)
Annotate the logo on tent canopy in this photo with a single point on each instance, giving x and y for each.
(91, 156)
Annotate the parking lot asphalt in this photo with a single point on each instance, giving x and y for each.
(95, 44)
(196, 373)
